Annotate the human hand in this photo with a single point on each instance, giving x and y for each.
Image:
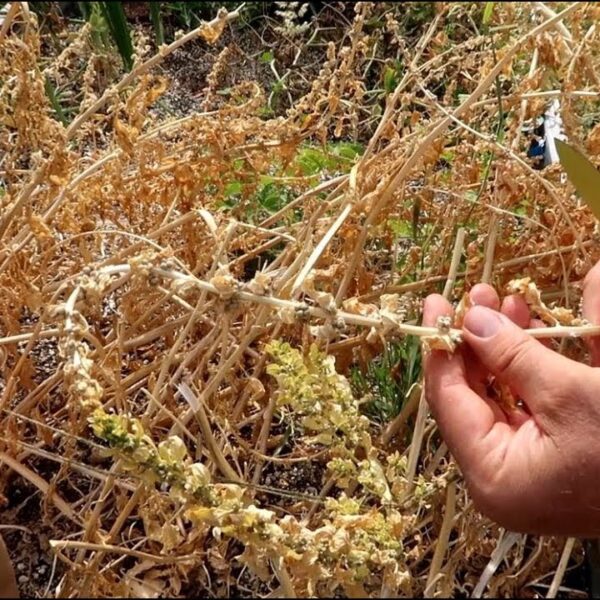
(534, 469)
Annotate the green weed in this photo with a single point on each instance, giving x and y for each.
(388, 378)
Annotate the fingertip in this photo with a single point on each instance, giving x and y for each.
(485, 295)
(435, 306)
(591, 309)
(593, 277)
(591, 294)
(516, 309)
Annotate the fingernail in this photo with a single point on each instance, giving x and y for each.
(483, 322)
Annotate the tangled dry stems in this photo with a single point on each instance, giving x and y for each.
(194, 343)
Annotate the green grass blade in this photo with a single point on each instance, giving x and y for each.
(487, 12)
(582, 174)
(55, 101)
(86, 9)
(115, 17)
(157, 24)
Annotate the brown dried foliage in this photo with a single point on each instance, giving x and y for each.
(100, 217)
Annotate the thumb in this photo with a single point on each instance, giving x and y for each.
(591, 309)
(516, 358)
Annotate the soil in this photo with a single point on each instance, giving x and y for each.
(27, 536)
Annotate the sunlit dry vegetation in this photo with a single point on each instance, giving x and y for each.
(210, 351)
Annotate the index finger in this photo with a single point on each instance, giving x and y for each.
(591, 309)
(465, 419)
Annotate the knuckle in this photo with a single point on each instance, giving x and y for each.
(592, 276)
(515, 355)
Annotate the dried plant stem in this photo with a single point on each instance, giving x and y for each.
(561, 568)
(513, 262)
(327, 487)
(523, 109)
(200, 412)
(24, 337)
(490, 249)
(557, 331)
(263, 438)
(33, 397)
(91, 522)
(442, 542)
(455, 262)
(545, 94)
(169, 359)
(416, 443)
(249, 391)
(114, 531)
(8, 19)
(287, 587)
(560, 26)
(314, 257)
(574, 59)
(322, 187)
(109, 548)
(506, 541)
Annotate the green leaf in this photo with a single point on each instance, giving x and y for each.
(311, 161)
(119, 29)
(266, 57)
(159, 33)
(582, 174)
(400, 228)
(389, 80)
(270, 197)
(347, 150)
(233, 188)
(487, 12)
(94, 14)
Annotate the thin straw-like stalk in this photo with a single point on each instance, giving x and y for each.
(441, 545)
(561, 568)
(110, 548)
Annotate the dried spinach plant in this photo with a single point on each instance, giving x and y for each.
(180, 354)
